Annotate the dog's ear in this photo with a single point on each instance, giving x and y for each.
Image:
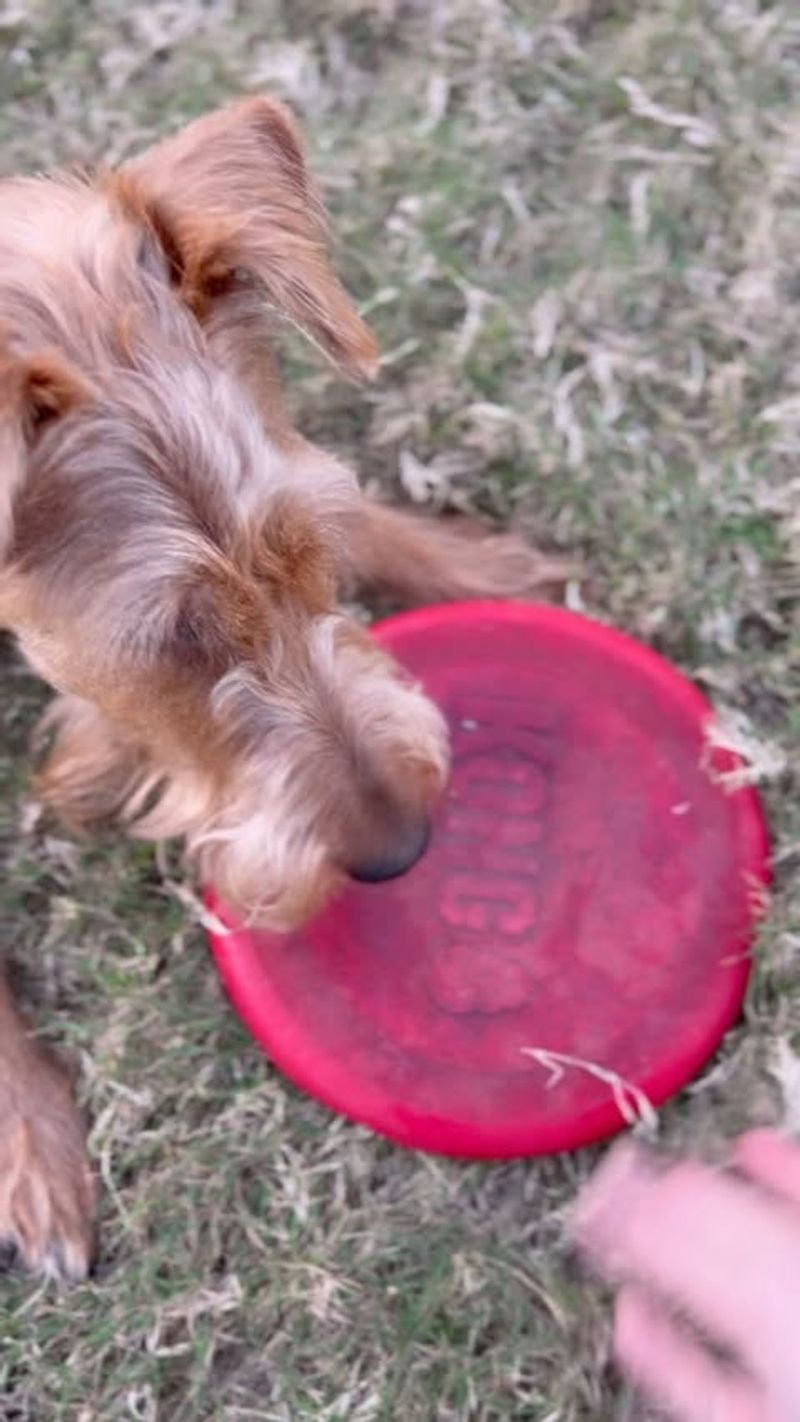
(35, 390)
(230, 198)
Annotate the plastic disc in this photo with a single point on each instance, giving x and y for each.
(576, 941)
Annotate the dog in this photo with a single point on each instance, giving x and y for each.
(173, 556)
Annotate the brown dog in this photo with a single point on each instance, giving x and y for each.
(171, 553)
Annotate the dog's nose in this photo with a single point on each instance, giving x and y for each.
(391, 863)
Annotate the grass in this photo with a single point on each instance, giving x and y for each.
(575, 224)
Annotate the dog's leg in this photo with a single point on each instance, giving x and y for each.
(88, 776)
(46, 1188)
(420, 560)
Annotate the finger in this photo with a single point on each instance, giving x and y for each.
(675, 1371)
(729, 1255)
(772, 1161)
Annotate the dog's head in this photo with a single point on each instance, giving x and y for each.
(170, 547)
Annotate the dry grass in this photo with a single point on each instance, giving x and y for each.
(575, 225)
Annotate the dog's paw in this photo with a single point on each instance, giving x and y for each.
(423, 560)
(501, 565)
(47, 1192)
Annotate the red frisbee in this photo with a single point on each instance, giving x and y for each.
(576, 939)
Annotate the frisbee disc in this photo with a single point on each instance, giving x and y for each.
(577, 939)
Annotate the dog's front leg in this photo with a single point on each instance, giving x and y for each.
(421, 560)
(46, 1187)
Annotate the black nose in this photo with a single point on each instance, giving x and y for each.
(390, 864)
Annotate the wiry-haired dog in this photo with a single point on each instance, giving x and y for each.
(171, 553)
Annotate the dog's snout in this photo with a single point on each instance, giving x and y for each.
(390, 863)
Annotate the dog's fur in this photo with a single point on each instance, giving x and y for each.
(171, 557)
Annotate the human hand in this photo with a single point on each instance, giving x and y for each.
(723, 1248)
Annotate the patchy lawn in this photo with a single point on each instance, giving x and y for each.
(575, 227)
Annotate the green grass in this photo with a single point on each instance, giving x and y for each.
(591, 311)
